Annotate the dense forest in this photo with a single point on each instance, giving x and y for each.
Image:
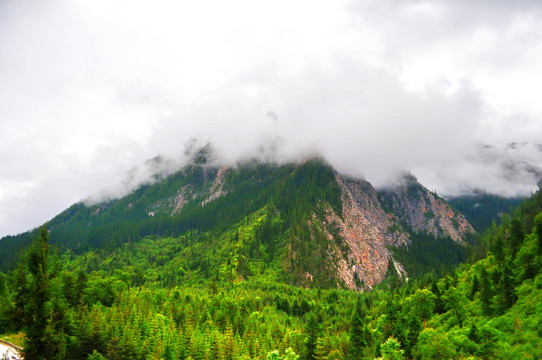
(217, 292)
(482, 209)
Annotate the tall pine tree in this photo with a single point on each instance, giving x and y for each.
(486, 293)
(313, 333)
(36, 343)
(359, 334)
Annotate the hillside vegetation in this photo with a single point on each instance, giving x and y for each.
(304, 221)
(218, 289)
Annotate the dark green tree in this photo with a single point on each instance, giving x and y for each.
(439, 305)
(313, 333)
(37, 343)
(516, 236)
(538, 230)
(400, 332)
(508, 295)
(473, 333)
(454, 301)
(498, 249)
(81, 285)
(475, 286)
(414, 328)
(486, 293)
(359, 333)
(21, 297)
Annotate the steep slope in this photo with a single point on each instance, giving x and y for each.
(426, 212)
(368, 231)
(305, 221)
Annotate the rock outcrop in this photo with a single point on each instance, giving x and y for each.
(372, 222)
(217, 190)
(184, 195)
(368, 230)
(425, 211)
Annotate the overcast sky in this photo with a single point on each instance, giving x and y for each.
(89, 89)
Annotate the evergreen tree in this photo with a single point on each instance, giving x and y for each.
(21, 297)
(439, 305)
(475, 286)
(414, 328)
(313, 333)
(486, 293)
(81, 285)
(508, 293)
(37, 338)
(538, 231)
(516, 236)
(400, 332)
(498, 249)
(454, 302)
(391, 350)
(358, 332)
(473, 333)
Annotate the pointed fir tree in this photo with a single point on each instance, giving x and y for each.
(35, 346)
(313, 333)
(391, 350)
(508, 295)
(498, 249)
(21, 297)
(414, 328)
(475, 286)
(538, 231)
(400, 332)
(473, 333)
(358, 332)
(516, 236)
(486, 293)
(439, 304)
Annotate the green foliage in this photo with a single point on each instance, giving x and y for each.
(391, 350)
(224, 287)
(289, 354)
(435, 344)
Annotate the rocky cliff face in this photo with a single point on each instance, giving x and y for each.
(424, 211)
(217, 190)
(368, 230)
(372, 222)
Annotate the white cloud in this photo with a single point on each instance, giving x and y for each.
(90, 89)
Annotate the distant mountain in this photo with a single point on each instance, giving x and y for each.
(482, 209)
(306, 223)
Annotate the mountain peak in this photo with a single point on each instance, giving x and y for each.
(299, 218)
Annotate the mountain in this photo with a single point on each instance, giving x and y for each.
(206, 263)
(482, 209)
(312, 225)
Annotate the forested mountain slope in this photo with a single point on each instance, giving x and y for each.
(312, 225)
(482, 209)
(146, 300)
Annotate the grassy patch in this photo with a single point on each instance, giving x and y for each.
(17, 339)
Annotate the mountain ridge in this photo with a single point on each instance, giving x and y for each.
(316, 212)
